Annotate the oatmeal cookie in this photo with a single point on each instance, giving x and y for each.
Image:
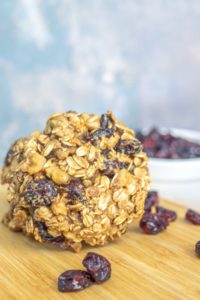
(82, 180)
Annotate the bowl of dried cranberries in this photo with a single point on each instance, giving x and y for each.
(174, 153)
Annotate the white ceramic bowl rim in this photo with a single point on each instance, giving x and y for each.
(190, 135)
(176, 170)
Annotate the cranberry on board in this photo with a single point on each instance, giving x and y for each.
(197, 248)
(193, 217)
(74, 280)
(98, 267)
(168, 214)
(151, 200)
(152, 223)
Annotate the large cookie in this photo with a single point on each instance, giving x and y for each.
(82, 180)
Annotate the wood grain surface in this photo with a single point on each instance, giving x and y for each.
(143, 267)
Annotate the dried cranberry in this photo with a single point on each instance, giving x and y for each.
(104, 121)
(75, 189)
(109, 173)
(99, 133)
(74, 280)
(40, 192)
(139, 135)
(123, 165)
(10, 155)
(161, 145)
(110, 165)
(193, 217)
(115, 164)
(98, 266)
(46, 237)
(197, 248)
(167, 214)
(105, 153)
(152, 223)
(151, 200)
(128, 147)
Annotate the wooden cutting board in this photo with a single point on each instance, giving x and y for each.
(143, 267)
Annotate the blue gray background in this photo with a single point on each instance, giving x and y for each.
(139, 58)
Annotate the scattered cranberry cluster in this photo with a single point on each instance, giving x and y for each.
(160, 145)
(98, 270)
(193, 217)
(157, 221)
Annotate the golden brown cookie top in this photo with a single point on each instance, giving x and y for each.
(76, 145)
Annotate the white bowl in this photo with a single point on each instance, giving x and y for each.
(176, 169)
(178, 179)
